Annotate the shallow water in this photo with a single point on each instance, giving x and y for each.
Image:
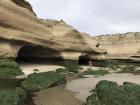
(56, 96)
(9, 83)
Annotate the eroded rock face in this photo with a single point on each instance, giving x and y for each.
(24, 4)
(19, 27)
(8, 50)
(120, 45)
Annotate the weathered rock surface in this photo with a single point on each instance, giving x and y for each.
(24, 4)
(120, 46)
(19, 27)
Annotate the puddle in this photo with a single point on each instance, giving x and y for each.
(56, 96)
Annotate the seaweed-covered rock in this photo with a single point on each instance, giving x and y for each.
(71, 66)
(38, 81)
(94, 72)
(12, 96)
(109, 93)
(9, 69)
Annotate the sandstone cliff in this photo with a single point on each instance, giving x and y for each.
(24, 4)
(21, 29)
(120, 45)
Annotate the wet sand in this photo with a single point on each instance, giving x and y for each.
(55, 96)
(82, 87)
(29, 68)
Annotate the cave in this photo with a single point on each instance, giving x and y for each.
(83, 60)
(38, 54)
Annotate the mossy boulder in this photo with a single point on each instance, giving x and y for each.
(13, 97)
(9, 69)
(109, 93)
(38, 81)
(71, 66)
(94, 72)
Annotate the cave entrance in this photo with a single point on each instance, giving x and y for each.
(38, 54)
(83, 60)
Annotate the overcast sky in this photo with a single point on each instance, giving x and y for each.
(95, 17)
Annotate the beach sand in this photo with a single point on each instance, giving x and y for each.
(29, 68)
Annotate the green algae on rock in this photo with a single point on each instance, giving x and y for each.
(71, 66)
(109, 93)
(9, 69)
(94, 72)
(12, 96)
(38, 81)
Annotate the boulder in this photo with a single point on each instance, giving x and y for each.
(109, 93)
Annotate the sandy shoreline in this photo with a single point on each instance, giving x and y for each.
(29, 68)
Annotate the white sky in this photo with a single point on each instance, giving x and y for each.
(92, 16)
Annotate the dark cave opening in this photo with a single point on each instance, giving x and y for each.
(38, 54)
(83, 60)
